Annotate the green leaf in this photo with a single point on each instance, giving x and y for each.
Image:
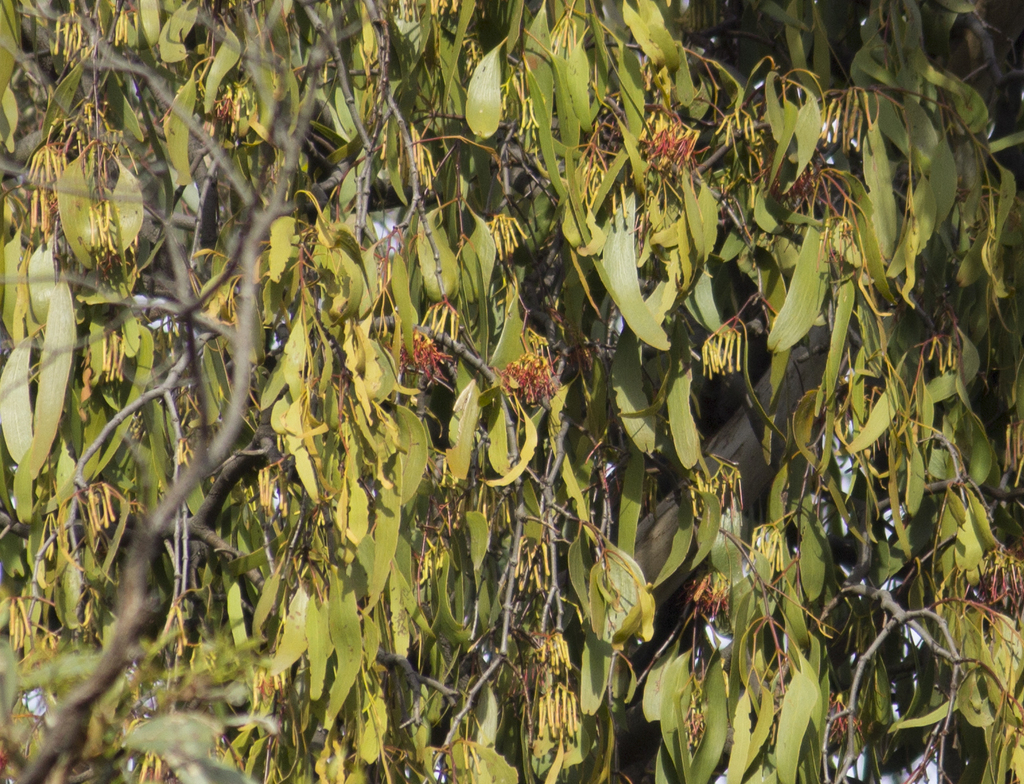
(794, 718)
(346, 636)
(10, 41)
(413, 443)
(716, 726)
(120, 112)
(172, 48)
(804, 298)
(526, 452)
(126, 201)
(617, 268)
(282, 239)
(149, 20)
(8, 680)
(837, 345)
(630, 503)
(483, 99)
(628, 382)
(878, 422)
(293, 642)
(447, 283)
(680, 417)
(465, 418)
(807, 131)
(54, 368)
(927, 720)
(403, 301)
(318, 637)
(878, 178)
(41, 281)
(178, 735)
(479, 538)
(597, 654)
(176, 131)
(228, 52)
(385, 542)
(15, 403)
(74, 200)
(236, 617)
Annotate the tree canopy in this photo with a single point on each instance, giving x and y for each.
(511, 391)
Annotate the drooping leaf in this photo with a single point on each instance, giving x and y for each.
(805, 295)
(617, 268)
(176, 131)
(483, 99)
(54, 369)
(15, 401)
(228, 52)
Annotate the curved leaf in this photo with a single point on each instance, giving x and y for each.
(804, 298)
(15, 401)
(54, 367)
(617, 268)
(483, 99)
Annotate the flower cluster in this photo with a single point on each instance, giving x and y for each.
(672, 147)
(426, 359)
(710, 595)
(529, 378)
(1002, 580)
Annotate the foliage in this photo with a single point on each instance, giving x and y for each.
(506, 391)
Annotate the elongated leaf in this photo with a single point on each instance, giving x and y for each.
(794, 718)
(176, 131)
(804, 298)
(74, 200)
(447, 283)
(10, 41)
(228, 52)
(15, 402)
(413, 441)
(483, 99)
(526, 451)
(878, 177)
(54, 367)
(318, 637)
(808, 129)
(927, 720)
(878, 422)
(385, 541)
(149, 20)
(617, 268)
(680, 417)
(126, 201)
(41, 281)
(172, 35)
(628, 382)
(467, 408)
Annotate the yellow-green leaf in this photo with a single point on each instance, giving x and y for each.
(15, 402)
(74, 201)
(878, 422)
(176, 131)
(617, 268)
(126, 201)
(172, 48)
(467, 411)
(228, 52)
(54, 367)
(413, 443)
(680, 417)
(41, 281)
(293, 641)
(483, 98)
(804, 298)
